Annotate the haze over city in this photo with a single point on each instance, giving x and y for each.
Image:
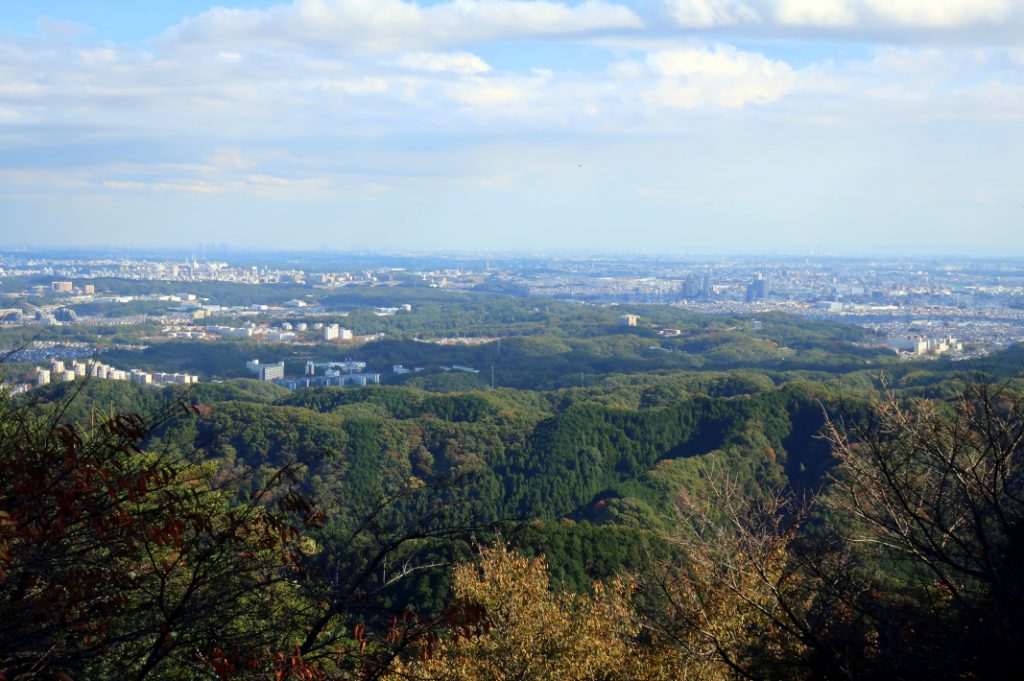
(839, 126)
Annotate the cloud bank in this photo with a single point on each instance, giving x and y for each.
(356, 104)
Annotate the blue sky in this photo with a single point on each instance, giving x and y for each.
(848, 126)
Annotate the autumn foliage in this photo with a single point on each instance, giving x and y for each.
(512, 625)
(120, 563)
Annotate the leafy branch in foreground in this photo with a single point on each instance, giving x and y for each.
(909, 565)
(120, 563)
(934, 495)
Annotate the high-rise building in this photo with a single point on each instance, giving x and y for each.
(628, 320)
(271, 372)
(42, 376)
(141, 377)
(60, 286)
(335, 332)
(758, 289)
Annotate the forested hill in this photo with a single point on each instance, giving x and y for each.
(592, 466)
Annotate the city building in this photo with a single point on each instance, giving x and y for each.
(628, 320)
(231, 331)
(266, 372)
(174, 379)
(270, 372)
(340, 380)
(141, 377)
(758, 289)
(460, 367)
(920, 345)
(335, 332)
(61, 286)
(334, 368)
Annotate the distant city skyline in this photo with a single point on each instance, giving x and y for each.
(843, 127)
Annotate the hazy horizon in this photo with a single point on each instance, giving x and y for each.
(208, 252)
(704, 127)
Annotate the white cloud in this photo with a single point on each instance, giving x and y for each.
(225, 157)
(628, 69)
(502, 95)
(724, 77)
(711, 13)
(10, 115)
(100, 55)
(224, 116)
(384, 26)
(259, 185)
(125, 185)
(815, 13)
(862, 14)
(63, 28)
(441, 62)
(941, 13)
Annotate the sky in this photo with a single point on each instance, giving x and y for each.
(679, 126)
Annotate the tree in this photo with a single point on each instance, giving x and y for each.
(506, 623)
(735, 602)
(909, 564)
(935, 495)
(120, 563)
